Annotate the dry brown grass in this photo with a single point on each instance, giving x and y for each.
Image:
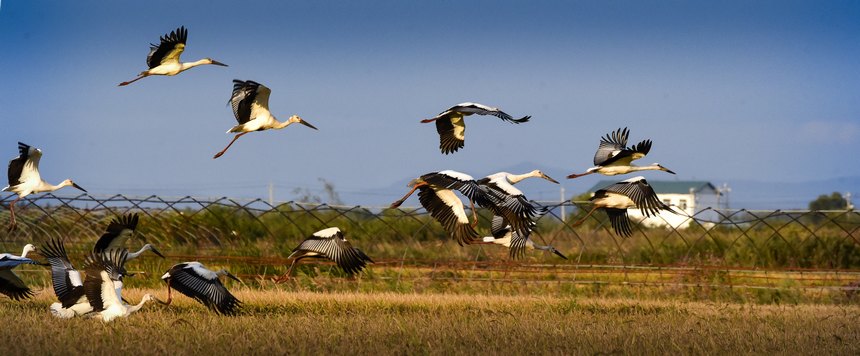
(279, 322)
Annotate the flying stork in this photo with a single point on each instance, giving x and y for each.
(505, 236)
(24, 178)
(67, 282)
(103, 285)
(10, 284)
(201, 284)
(617, 198)
(452, 128)
(436, 195)
(613, 157)
(330, 244)
(250, 102)
(163, 58)
(117, 234)
(508, 201)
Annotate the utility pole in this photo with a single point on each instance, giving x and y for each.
(563, 215)
(271, 194)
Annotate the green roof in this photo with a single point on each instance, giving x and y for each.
(663, 186)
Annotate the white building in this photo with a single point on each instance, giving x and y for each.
(688, 198)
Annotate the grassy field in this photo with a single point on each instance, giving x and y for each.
(278, 321)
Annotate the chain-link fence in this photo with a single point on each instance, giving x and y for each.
(815, 250)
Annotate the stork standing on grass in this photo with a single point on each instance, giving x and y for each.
(510, 202)
(67, 282)
(10, 284)
(117, 234)
(250, 102)
(163, 58)
(103, 285)
(329, 244)
(504, 235)
(617, 198)
(436, 195)
(24, 177)
(202, 284)
(452, 128)
(613, 157)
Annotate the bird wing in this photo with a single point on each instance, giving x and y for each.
(337, 249)
(610, 146)
(480, 109)
(620, 222)
(449, 179)
(16, 165)
(102, 270)
(509, 202)
(638, 190)
(446, 208)
(500, 228)
(171, 47)
(67, 283)
(12, 286)
(244, 94)
(210, 292)
(452, 133)
(117, 233)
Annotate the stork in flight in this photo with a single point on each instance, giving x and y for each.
(613, 157)
(509, 202)
(452, 128)
(117, 234)
(201, 284)
(436, 195)
(10, 284)
(67, 282)
(617, 198)
(250, 102)
(24, 177)
(103, 285)
(504, 235)
(163, 58)
(330, 244)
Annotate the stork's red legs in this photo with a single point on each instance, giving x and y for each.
(286, 276)
(578, 175)
(585, 217)
(12, 212)
(133, 80)
(228, 146)
(401, 200)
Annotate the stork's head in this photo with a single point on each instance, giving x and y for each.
(224, 272)
(27, 249)
(152, 248)
(295, 119)
(212, 61)
(664, 169)
(557, 252)
(69, 182)
(538, 173)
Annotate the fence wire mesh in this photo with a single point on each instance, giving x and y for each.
(814, 250)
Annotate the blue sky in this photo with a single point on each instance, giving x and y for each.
(730, 90)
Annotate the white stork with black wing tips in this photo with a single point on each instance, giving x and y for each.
(617, 198)
(10, 284)
(197, 282)
(436, 195)
(509, 202)
(163, 58)
(452, 128)
(103, 285)
(250, 102)
(613, 157)
(117, 234)
(330, 244)
(505, 236)
(24, 177)
(67, 282)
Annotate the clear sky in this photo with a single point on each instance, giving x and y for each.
(753, 90)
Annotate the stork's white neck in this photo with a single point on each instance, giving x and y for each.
(516, 178)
